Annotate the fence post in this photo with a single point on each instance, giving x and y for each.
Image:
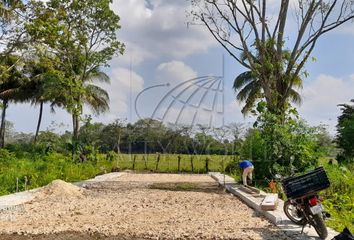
(118, 156)
(134, 158)
(179, 163)
(207, 165)
(145, 162)
(192, 166)
(26, 180)
(16, 184)
(157, 161)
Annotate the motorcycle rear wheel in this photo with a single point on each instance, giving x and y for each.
(290, 210)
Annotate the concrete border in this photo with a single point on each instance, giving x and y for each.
(277, 216)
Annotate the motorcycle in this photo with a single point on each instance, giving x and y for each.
(304, 205)
(308, 210)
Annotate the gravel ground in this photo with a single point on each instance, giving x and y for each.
(137, 206)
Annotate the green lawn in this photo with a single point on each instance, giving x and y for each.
(27, 171)
(169, 162)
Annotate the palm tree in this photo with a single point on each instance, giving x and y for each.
(95, 97)
(6, 7)
(347, 109)
(41, 74)
(270, 84)
(249, 90)
(345, 131)
(10, 90)
(89, 94)
(37, 97)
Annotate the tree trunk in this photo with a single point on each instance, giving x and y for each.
(39, 121)
(2, 128)
(192, 165)
(76, 127)
(118, 144)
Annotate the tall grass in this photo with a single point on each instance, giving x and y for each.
(169, 162)
(339, 198)
(24, 170)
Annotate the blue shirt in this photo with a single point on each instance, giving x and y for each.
(245, 164)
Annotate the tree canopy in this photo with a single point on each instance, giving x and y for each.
(345, 130)
(54, 52)
(83, 35)
(261, 37)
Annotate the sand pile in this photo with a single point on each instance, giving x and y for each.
(60, 189)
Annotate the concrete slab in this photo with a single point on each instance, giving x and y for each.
(16, 199)
(277, 216)
(270, 202)
(101, 178)
(223, 179)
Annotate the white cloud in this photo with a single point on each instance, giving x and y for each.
(134, 54)
(123, 79)
(174, 72)
(322, 96)
(233, 111)
(160, 30)
(123, 83)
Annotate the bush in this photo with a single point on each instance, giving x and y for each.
(280, 144)
(6, 156)
(345, 129)
(233, 166)
(339, 196)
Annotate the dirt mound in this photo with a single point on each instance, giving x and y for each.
(60, 189)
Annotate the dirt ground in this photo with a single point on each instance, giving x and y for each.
(137, 206)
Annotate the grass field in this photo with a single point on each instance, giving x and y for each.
(28, 171)
(172, 162)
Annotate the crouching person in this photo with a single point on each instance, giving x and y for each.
(247, 170)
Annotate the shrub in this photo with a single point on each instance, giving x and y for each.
(345, 129)
(339, 196)
(6, 156)
(233, 166)
(280, 144)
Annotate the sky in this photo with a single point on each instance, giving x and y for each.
(163, 50)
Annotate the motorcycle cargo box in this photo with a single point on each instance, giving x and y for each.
(306, 184)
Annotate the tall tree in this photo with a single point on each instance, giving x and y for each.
(9, 90)
(94, 96)
(112, 135)
(249, 90)
(11, 32)
(6, 9)
(83, 34)
(260, 37)
(345, 130)
(40, 69)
